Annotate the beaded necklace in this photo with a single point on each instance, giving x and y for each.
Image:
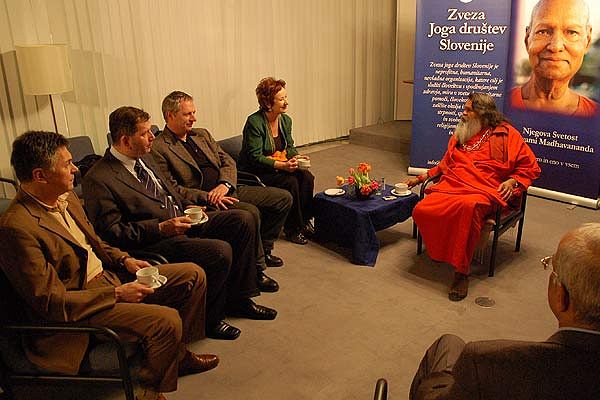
(477, 145)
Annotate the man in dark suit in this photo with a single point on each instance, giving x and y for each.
(57, 269)
(130, 202)
(202, 172)
(565, 366)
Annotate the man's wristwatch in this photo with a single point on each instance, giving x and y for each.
(121, 261)
(229, 186)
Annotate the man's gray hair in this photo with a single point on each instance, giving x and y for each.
(577, 264)
(172, 102)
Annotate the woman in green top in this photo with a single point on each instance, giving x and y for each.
(268, 151)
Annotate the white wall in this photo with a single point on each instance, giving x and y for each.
(337, 57)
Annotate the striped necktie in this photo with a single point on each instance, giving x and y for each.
(155, 190)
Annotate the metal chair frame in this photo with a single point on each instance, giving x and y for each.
(9, 377)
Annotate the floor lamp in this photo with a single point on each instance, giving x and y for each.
(45, 69)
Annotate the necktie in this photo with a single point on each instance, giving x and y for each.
(154, 190)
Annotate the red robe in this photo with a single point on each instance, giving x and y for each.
(451, 216)
(586, 107)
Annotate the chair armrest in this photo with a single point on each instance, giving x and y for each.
(151, 257)
(248, 179)
(11, 181)
(45, 328)
(380, 389)
(431, 179)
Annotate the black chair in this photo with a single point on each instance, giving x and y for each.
(381, 389)
(109, 361)
(82, 151)
(5, 200)
(233, 146)
(504, 219)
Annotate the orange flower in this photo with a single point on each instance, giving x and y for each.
(340, 180)
(364, 168)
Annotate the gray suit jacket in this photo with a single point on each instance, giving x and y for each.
(45, 270)
(566, 366)
(175, 162)
(120, 207)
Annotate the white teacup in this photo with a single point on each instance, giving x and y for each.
(196, 214)
(147, 276)
(303, 163)
(401, 187)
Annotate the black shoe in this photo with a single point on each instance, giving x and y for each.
(223, 331)
(297, 238)
(273, 261)
(249, 309)
(266, 284)
(309, 229)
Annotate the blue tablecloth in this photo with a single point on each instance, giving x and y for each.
(352, 222)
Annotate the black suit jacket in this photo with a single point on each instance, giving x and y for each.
(566, 366)
(121, 209)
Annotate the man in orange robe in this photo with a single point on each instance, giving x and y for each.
(487, 163)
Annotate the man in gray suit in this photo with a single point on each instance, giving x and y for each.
(201, 171)
(565, 366)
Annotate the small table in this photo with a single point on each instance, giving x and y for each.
(352, 222)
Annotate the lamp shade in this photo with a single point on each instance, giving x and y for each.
(45, 68)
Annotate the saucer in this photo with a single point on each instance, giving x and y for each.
(334, 192)
(400, 194)
(203, 220)
(161, 281)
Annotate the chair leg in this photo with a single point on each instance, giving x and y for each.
(493, 255)
(519, 234)
(419, 243)
(414, 230)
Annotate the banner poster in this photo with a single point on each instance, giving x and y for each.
(557, 53)
(461, 47)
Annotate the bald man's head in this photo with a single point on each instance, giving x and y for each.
(557, 38)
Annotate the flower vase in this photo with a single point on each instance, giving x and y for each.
(361, 196)
(351, 190)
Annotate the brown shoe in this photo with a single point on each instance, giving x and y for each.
(193, 363)
(459, 288)
(142, 393)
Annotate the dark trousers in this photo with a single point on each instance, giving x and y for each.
(225, 248)
(301, 185)
(433, 379)
(269, 207)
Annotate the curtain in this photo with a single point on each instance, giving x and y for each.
(337, 57)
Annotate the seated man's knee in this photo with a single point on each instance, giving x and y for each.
(286, 199)
(246, 219)
(194, 273)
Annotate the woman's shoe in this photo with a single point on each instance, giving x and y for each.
(296, 237)
(309, 229)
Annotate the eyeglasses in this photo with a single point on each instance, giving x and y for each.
(547, 263)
